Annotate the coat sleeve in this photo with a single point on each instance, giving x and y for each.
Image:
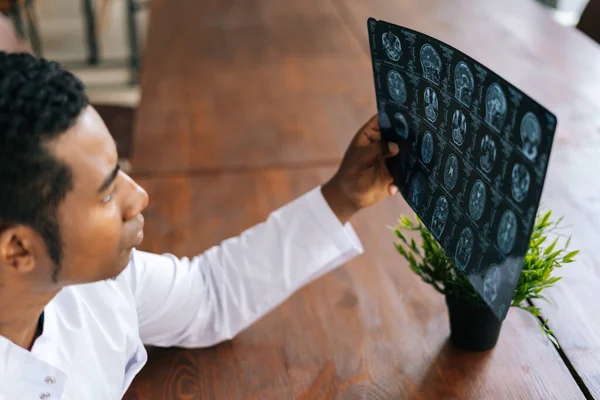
(211, 297)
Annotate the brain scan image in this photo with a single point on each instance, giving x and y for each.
(501, 309)
(396, 86)
(459, 127)
(431, 104)
(512, 270)
(531, 135)
(427, 147)
(488, 153)
(507, 231)
(520, 182)
(464, 84)
(401, 126)
(384, 120)
(491, 283)
(474, 152)
(440, 216)
(495, 107)
(477, 200)
(392, 46)
(431, 63)
(451, 172)
(417, 190)
(464, 247)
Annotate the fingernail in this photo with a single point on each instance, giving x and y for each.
(393, 147)
(394, 190)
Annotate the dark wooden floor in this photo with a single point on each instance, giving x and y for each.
(247, 104)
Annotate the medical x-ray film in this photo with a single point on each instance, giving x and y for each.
(474, 152)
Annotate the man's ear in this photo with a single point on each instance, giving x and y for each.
(16, 248)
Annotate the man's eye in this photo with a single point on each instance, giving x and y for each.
(109, 197)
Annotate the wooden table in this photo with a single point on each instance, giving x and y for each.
(369, 328)
(249, 84)
(219, 145)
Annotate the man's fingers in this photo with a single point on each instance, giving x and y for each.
(371, 148)
(376, 153)
(390, 149)
(370, 133)
(373, 122)
(384, 172)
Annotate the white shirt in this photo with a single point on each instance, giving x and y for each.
(92, 344)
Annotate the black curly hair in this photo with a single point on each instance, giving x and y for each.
(39, 100)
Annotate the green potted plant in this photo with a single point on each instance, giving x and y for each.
(473, 326)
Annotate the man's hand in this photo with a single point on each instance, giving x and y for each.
(362, 178)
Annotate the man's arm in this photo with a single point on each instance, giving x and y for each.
(213, 296)
(210, 298)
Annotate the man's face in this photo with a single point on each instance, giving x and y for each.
(100, 220)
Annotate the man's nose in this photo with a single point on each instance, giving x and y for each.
(138, 200)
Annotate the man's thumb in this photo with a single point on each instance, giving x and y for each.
(390, 149)
(376, 152)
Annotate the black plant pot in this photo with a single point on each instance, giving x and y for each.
(473, 327)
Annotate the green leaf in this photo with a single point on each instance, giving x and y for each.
(403, 238)
(533, 310)
(413, 245)
(553, 280)
(411, 259)
(570, 256)
(540, 241)
(401, 250)
(400, 235)
(546, 218)
(551, 247)
(553, 256)
(435, 267)
(405, 221)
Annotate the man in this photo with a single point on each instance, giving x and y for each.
(78, 301)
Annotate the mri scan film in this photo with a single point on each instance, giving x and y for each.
(474, 153)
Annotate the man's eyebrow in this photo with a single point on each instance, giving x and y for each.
(109, 180)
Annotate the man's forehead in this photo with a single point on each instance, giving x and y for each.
(87, 147)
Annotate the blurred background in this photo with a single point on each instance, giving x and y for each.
(92, 38)
(102, 41)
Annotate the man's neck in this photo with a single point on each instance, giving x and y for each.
(20, 322)
(22, 337)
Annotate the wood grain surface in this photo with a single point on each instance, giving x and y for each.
(572, 191)
(242, 104)
(557, 66)
(242, 84)
(252, 83)
(369, 330)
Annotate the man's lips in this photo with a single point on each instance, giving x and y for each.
(139, 236)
